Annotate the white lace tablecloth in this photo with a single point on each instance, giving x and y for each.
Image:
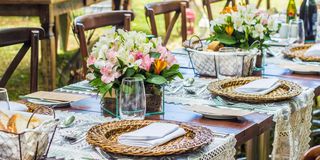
(292, 117)
(222, 147)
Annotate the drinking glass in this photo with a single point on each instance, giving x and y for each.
(132, 100)
(296, 32)
(4, 99)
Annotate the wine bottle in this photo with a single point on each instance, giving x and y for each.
(308, 13)
(291, 10)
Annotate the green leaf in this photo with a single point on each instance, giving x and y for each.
(140, 76)
(170, 73)
(226, 39)
(174, 67)
(155, 55)
(130, 72)
(104, 89)
(156, 79)
(121, 63)
(96, 82)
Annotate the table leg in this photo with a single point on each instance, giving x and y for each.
(252, 149)
(48, 48)
(264, 145)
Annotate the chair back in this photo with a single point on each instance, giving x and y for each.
(207, 5)
(312, 154)
(165, 8)
(84, 23)
(30, 38)
(116, 4)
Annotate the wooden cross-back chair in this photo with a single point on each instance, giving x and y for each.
(29, 37)
(116, 4)
(207, 5)
(259, 3)
(165, 8)
(312, 154)
(121, 18)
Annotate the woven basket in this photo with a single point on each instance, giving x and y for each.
(106, 136)
(225, 88)
(299, 51)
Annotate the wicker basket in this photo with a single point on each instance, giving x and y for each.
(106, 136)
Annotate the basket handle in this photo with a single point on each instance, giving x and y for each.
(198, 39)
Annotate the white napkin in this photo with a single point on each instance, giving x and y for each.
(313, 51)
(152, 135)
(259, 87)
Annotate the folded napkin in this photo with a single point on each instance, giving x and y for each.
(259, 87)
(313, 51)
(152, 135)
(57, 96)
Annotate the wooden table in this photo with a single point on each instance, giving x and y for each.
(49, 12)
(243, 130)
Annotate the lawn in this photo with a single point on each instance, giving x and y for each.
(19, 84)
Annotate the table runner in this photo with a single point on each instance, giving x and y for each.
(292, 117)
(222, 147)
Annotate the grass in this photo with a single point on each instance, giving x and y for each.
(18, 84)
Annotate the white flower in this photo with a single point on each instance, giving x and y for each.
(272, 24)
(258, 31)
(90, 76)
(100, 63)
(237, 22)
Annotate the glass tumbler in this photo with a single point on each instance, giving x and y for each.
(296, 32)
(4, 99)
(132, 99)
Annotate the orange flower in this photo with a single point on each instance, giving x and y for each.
(159, 65)
(226, 10)
(229, 30)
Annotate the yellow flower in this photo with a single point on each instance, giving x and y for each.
(159, 65)
(229, 30)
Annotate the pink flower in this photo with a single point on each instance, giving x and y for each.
(162, 49)
(109, 74)
(137, 55)
(146, 62)
(169, 58)
(91, 59)
(111, 56)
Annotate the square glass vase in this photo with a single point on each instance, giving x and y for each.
(154, 102)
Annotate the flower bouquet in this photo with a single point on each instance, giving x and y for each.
(119, 54)
(234, 46)
(244, 27)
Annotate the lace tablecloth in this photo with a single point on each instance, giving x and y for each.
(292, 117)
(222, 147)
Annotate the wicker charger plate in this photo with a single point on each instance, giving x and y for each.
(225, 88)
(299, 51)
(106, 136)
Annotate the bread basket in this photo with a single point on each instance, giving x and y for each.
(29, 144)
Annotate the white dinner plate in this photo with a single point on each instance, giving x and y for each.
(45, 103)
(14, 106)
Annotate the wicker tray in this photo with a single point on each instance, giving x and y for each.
(299, 51)
(106, 136)
(225, 88)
